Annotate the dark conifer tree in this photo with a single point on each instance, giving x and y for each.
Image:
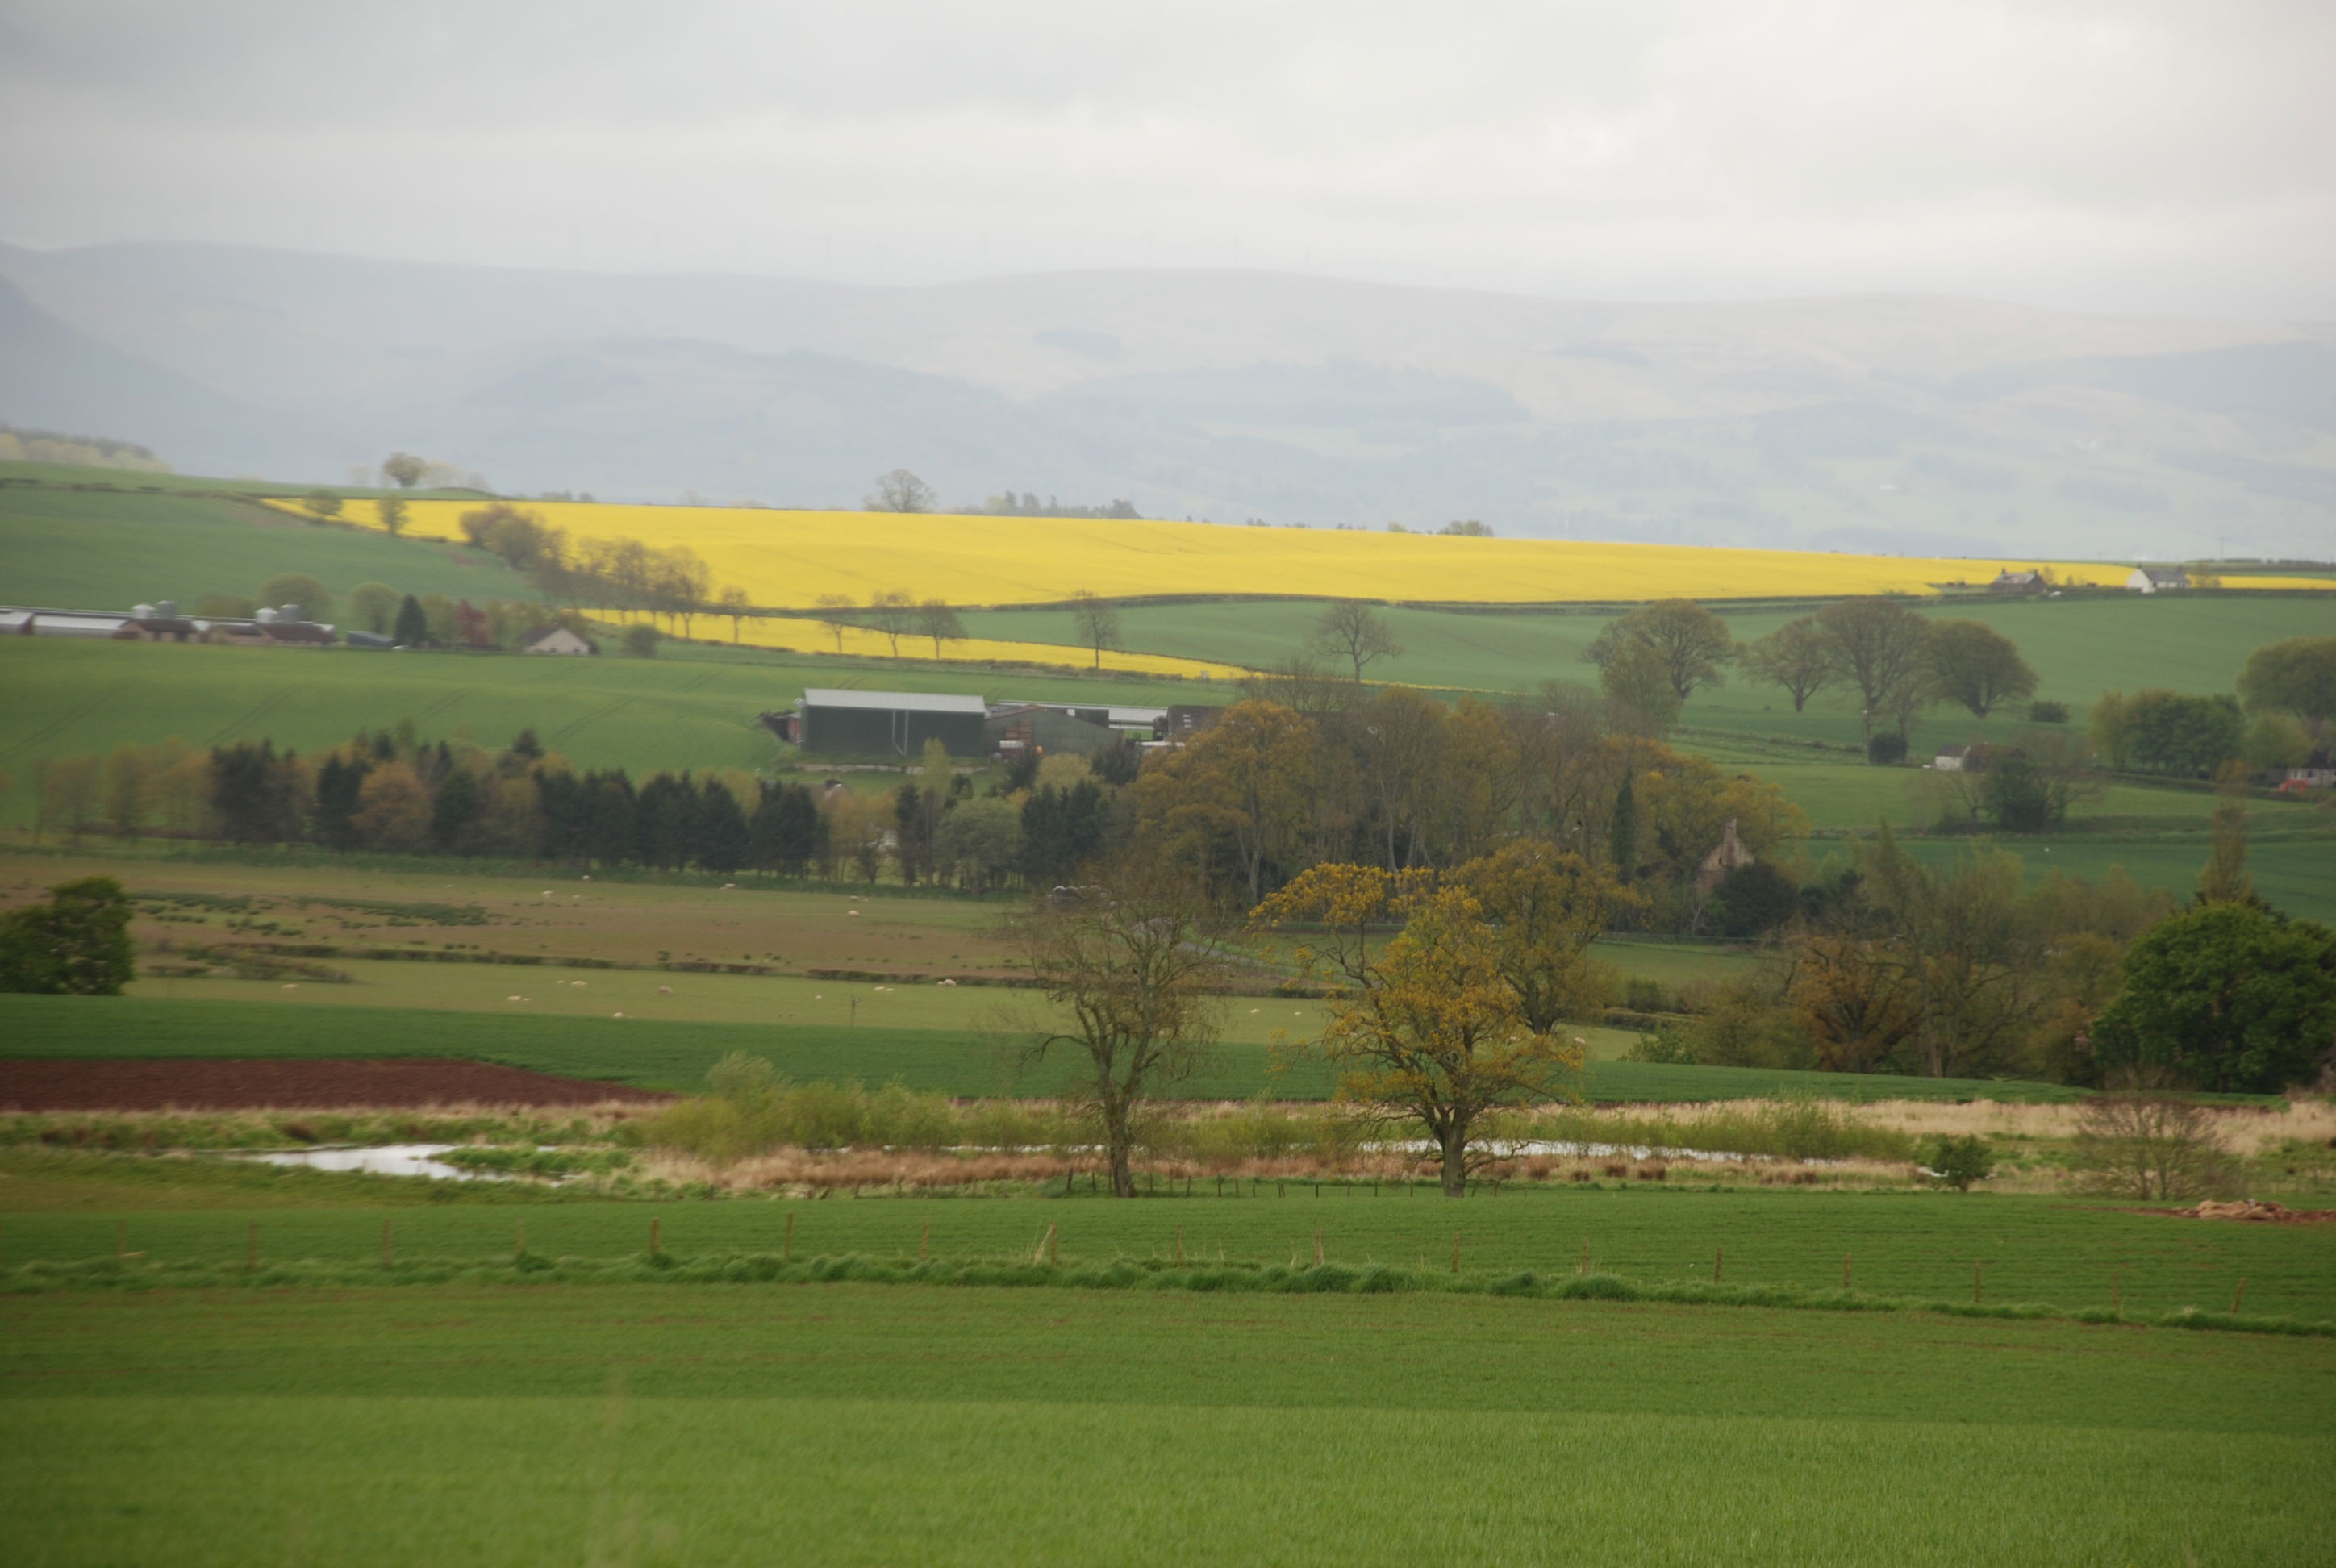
(255, 793)
(412, 629)
(612, 832)
(454, 811)
(337, 784)
(721, 836)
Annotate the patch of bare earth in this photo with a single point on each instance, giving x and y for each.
(216, 1084)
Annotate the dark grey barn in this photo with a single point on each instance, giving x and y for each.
(894, 722)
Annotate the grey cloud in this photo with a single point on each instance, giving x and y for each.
(2098, 155)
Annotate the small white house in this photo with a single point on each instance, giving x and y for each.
(556, 639)
(2158, 579)
(1951, 759)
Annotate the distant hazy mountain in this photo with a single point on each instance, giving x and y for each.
(1908, 422)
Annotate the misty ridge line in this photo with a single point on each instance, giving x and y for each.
(1896, 423)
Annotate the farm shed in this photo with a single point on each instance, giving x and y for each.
(2017, 582)
(557, 639)
(17, 620)
(864, 723)
(1185, 720)
(1951, 759)
(2158, 579)
(1023, 726)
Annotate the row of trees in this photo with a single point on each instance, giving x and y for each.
(1897, 661)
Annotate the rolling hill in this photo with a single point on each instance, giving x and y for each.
(1885, 423)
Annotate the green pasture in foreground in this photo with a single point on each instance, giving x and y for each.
(675, 1056)
(872, 1424)
(1918, 1244)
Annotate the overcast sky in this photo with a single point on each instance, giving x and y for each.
(2172, 157)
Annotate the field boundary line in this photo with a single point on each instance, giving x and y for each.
(1120, 1273)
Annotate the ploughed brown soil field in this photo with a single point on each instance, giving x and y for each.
(223, 1084)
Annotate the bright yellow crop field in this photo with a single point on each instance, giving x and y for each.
(786, 560)
(812, 636)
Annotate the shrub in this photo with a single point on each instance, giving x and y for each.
(2145, 1142)
(1886, 749)
(1668, 1043)
(1647, 996)
(640, 639)
(2048, 713)
(1960, 1161)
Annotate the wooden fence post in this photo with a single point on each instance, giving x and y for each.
(1718, 1262)
(2240, 1296)
(925, 1241)
(1318, 1249)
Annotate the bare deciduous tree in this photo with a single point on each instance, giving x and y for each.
(1353, 630)
(2142, 1141)
(1135, 963)
(892, 613)
(901, 490)
(1096, 621)
(937, 620)
(835, 614)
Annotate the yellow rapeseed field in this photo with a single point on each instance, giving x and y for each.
(786, 560)
(859, 642)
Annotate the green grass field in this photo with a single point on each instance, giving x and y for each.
(649, 1054)
(1921, 1244)
(872, 1424)
(644, 714)
(97, 550)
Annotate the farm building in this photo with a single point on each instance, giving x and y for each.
(2158, 579)
(1951, 759)
(557, 639)
(1019, 727)
(1730, 854)
(1185, 720)
(2018, 582)
(157, 623)
(865, 723)
(17, 621)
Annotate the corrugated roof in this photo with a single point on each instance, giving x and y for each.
(893, 701)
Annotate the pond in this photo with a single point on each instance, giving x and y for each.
(385, 1159)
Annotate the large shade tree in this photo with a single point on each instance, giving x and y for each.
(2229, 996)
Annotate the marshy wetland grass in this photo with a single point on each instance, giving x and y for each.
(856, 1423)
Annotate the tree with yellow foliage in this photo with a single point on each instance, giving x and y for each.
(1428, 1029)
(1546, 906)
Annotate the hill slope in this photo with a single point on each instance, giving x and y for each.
(1924, 425)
